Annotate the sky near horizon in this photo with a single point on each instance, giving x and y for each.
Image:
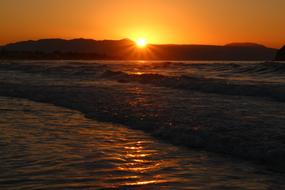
(159, 21)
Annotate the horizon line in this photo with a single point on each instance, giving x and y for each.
(70, 39)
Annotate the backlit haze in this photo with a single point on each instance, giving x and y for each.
(157, 21)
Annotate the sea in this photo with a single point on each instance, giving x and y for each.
(74, 124)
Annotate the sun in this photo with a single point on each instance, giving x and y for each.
(141, 42)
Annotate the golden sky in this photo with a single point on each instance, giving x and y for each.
(159, 21)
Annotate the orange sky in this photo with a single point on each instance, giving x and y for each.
(159, 21)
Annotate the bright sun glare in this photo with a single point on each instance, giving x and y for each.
(141, 42)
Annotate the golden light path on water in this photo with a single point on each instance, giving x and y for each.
(48, 147)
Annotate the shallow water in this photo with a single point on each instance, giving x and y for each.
(242, 117)
(47, 147)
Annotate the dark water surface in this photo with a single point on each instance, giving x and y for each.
(47, 147)
(236, 109)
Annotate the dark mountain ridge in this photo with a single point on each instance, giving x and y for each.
(76, 45)
(127, 49)
(245, 44)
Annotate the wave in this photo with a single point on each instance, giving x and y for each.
(234, 67)
(218, 86)
(212, 77)
(264, 68)
(247, 128)
(259, 68)
(47, 68)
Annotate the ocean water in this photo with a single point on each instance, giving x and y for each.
(235, 109)
(47, 147)
(258, 79)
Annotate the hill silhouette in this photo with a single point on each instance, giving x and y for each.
(126, 49)
(211, 52)
(280, 56)
(245, 44)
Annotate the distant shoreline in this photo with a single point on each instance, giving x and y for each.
(125, 49)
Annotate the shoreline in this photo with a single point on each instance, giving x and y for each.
(93, 102)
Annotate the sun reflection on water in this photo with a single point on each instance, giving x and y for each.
(135, 159)
(137, 73)
(140, 161)
(147, 182)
